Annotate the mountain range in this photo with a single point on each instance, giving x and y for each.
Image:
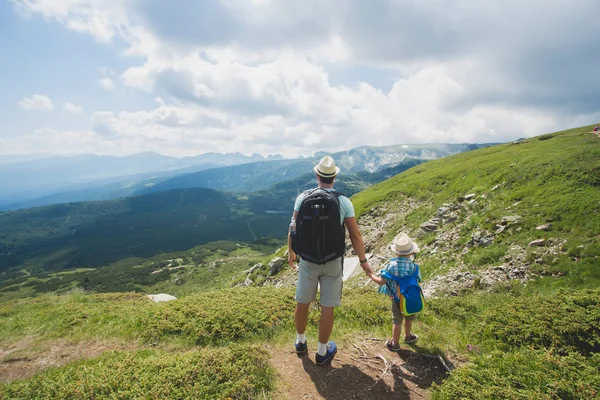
(56, 180)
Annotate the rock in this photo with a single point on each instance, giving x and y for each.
(442, 211)
(544, 227)
(486, 281)
(161, 297)
(510, 219)
(248, 281)
(496, 187)
(431, 225)
(538, 242)
(469, 196)
(500, 229)
(480, 238)
(275, 265)
(453, 216)
(255, 267)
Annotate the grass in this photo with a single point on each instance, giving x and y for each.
(235, 372)
(77, 316)
(212, 335)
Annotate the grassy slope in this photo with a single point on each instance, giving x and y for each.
(547, 179)
(519, 344)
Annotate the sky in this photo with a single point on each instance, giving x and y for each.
(291, 77)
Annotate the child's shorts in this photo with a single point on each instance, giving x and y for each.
(397, 316)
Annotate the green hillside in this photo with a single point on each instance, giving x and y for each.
(551, 180)
(534, 333)
(92, 234)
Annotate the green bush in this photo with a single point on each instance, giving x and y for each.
(364, 308)
(223, 316)
(566, 322)
(240, 372)
(524, 374)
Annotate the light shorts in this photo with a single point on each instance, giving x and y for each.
(328, 276)
(397, 316)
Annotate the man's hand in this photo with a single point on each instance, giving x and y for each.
(367, 268)
(291, 260)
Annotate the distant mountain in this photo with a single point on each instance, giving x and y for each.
(88, 178)
(25, 180)
(260, 176)
(96, 233)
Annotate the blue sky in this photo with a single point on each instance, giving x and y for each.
(291, 77)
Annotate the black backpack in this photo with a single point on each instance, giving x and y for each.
(320, 236)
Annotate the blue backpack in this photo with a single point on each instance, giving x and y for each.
(409, 295)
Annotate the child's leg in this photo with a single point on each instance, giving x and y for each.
(407, 327)
(397, 318)
(396, 333)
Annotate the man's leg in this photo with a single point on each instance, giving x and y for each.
(331, 294)
(306, 292)
(325, 324)
(301, 317)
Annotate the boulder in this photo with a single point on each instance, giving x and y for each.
(544, 227)
(469, 196)
(538, 242)
(255, 267)
(275, 265)
(161, 297)
(510, 219)
(431, 225)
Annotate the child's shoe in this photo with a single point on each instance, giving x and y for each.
(411, 339)
(391, 346)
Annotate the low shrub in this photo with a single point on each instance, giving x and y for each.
(222, 316)
(524, 374)
(364, 308)
(235, 372)
(564, 321)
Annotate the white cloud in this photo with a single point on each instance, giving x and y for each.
(72, 108)
(36, 102)
(260, 76)
(107, 83)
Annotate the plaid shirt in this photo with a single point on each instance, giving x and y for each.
(400, 267)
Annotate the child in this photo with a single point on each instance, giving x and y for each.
(401, 266)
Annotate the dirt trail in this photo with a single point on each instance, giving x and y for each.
(363, 369)
(24, 358)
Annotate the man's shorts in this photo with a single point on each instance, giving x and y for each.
(328, 276)
(397, 316)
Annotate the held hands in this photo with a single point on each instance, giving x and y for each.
(367, 268)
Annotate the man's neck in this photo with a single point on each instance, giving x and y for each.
(325, 185)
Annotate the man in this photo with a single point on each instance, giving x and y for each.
(328, 275)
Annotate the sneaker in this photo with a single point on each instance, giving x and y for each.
(391, 346)
(331, 350)
(411, 339)
(301, 348)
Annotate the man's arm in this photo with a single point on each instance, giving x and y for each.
(291, 254)
(357, 243)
